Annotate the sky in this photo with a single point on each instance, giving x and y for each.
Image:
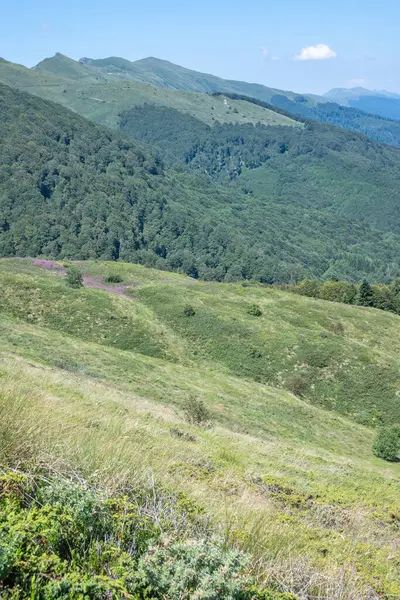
(305, 46)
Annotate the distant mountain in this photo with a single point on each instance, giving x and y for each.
(351, 116)
(163, 73)
(101, 88)
(382, 103)
(62, 66)
(343, 95)
(19, 76)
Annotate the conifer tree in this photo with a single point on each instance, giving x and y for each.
(365, 296)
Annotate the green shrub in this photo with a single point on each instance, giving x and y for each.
(113, 278)
(387, 443)
(307, 287)
(177, 570)
(254, 310)
(183, 435)
(257, 593)
(297, 384)
(61, 539)
(74, 278)
(338, 291)
(196, 412)
(189, 311)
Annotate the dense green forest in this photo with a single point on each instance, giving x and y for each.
(71, 189)
(318, 183)
(374, 126)
(369, 171)
(384, 297)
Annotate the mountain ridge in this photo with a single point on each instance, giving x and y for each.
(167, 75)
(380, 102)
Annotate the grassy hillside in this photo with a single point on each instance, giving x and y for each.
(293, 344)
(104, 103)
(62, 66)
(119, 89)
(107, 376)
(91, 94)
(164, 74)
(19, 76)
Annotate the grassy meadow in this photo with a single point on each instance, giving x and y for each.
(97, 382)
(102, 102)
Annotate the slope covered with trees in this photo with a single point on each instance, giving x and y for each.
(319, 181)
(69, 188)
(367, 171)
(72, 189)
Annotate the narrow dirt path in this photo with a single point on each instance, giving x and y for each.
(89, 281)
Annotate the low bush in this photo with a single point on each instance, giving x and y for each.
(61, 539)
(336, 327)
(189, 311)
(297, 384)
(113, 278)
(74, 278)
(387, 443)
(254, 310)
(196, 412)
(183, 435)
(173, 570)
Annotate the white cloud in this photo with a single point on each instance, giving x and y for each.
(275, 58)
(356, 81)
(318, 52)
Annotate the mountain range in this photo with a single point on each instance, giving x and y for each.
(59, 77)
(379, 102)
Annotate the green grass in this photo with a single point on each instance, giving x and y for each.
(293, 483)
(84, 91)
(292, 345)
(102, 102)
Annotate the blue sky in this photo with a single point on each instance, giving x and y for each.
(341, 44)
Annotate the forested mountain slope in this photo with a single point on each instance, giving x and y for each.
(336, 180)
(72, 189)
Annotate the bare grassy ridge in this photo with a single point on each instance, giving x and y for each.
(95, 381)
